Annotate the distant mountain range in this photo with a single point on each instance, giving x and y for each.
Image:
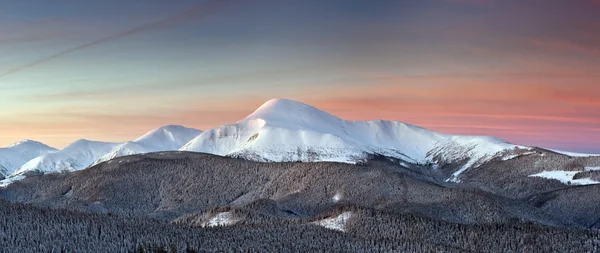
(83, 153)
(294, 176)
(281, 131)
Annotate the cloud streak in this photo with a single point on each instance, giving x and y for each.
(197, 11)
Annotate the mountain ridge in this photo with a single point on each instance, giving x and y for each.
(283, 130)
(165, 138)
(15, 155)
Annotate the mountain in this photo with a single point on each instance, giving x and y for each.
(166, 138)
(76, 156)
(17, 154)
(172, 184)
(393, 187)
(284, 130)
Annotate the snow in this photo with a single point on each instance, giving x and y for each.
(76, 156)
(335, 223)
(454, 177)
(573, 154)
(591, 168)
(221, 219)
(565, 177)
(337, 197)
(166, 138)
(513, 156)
(17, 154)
(8, 181)
(510, 157)
(284, 130)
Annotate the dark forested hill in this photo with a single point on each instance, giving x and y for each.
(169, 185)
(25, 228)
(177, 198)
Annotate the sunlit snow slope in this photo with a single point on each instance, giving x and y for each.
(166, 138)
(77, 156)
(284, 130)
(17, 154)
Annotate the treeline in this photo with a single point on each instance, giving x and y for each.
(502, 237)
(25, 228)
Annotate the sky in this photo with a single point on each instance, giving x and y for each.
(527, 71)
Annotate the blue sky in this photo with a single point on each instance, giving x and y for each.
(525, 71)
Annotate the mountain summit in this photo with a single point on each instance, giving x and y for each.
(76, 156)
(293, 114)
(17, 154)
(283, 130)
(166, 138)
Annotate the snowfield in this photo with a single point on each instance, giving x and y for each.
(8, 181)
(221, 219)
(565, 177)
(17, 154)
(280, 130)
(76, 156)
(284, 131)
(513, 156)
(336, 223)
(84, 153)
(167, 138)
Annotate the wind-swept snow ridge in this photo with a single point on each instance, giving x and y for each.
(573, 154)
(17, 154)
(166, 138)
(77, 156)
(283, 130)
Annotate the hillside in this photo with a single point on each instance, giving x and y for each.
(169, 185)
(204, 202)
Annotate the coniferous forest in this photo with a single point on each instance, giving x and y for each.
(190, 202)
(26, 228)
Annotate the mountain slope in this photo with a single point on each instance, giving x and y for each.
(77, 156)
(271, 207)
(17, 154)
(283, 130)
(166, 138)
(168, 185)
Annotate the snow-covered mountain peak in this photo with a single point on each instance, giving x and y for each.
(21, 143)
(30, 144)
(76, 156)
(284, 130)
(171, 137)
(293, 114)
(17, 154)
(174, 136)
(85, 144)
